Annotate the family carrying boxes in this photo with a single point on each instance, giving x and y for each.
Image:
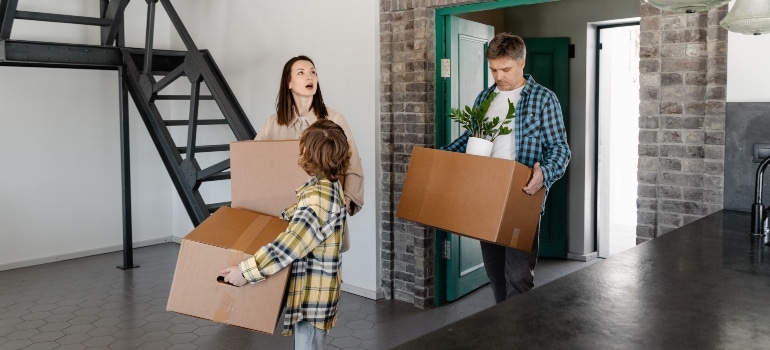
(475, 196)
(264, 177)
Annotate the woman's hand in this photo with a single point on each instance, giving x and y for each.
(351, 207)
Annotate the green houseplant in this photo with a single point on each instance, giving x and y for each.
(476, 121)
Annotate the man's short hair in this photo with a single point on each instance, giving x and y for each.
(507, 45)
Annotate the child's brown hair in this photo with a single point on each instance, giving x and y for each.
(324, 150)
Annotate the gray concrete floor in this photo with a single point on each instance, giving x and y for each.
(88, 303)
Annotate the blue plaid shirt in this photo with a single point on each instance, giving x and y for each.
(539, 131)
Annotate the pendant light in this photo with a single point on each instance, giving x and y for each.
(748, 17)
(688, 6)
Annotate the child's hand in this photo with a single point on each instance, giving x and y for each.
(233, 275)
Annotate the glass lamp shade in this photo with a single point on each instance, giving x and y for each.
(687, 5)
(748, 17)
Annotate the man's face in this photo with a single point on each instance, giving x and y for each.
(507, 72)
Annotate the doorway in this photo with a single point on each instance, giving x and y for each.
(462, 45)
(533, 19)
(617, 121)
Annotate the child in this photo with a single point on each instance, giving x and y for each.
(312, 241)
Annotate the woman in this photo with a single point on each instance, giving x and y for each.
(299, 104)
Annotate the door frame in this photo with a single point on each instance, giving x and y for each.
(441, 109)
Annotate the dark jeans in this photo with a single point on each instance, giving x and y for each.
(510, 271)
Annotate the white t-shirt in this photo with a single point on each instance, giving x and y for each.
(504, 146)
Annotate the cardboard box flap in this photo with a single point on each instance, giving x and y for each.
(264, 175)
(240, 230)
(264, 230)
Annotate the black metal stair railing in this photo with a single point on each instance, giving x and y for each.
(199, 67)
(138, 69)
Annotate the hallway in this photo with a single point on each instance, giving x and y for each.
(88, 303)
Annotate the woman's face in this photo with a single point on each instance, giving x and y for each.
(303, 80)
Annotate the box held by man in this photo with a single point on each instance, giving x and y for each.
(474, 196)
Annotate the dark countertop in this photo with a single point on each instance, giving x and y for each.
(705, 285)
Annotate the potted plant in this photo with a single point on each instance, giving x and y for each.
(483, 129)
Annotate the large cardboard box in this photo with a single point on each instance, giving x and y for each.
(226, 238)
(264, 177)
(478, 197)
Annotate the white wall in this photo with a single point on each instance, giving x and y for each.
(60, 183)
(748, 73)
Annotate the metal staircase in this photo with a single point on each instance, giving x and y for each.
(138, 70)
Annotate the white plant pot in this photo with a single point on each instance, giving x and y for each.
(479, 147)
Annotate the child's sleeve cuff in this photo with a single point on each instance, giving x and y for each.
(250, 270)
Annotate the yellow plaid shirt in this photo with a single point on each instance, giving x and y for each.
(312, 241)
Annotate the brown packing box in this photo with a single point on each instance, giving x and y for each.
(226, 238)
(478, 197)
(230, 235)
(265, 175)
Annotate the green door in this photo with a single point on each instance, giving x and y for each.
(466, 43)
(548, 63)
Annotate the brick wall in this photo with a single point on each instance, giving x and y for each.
(407, 47)
(682, 114)
(683, 76)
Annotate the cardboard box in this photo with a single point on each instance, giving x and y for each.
(226, 238)
(264, 175)
(478, 197)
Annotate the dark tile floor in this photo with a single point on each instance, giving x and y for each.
(88, 303)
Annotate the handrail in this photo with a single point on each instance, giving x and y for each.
(149, 36)
(757, 209)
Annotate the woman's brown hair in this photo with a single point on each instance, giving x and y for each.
(325, 150)
(285, 105)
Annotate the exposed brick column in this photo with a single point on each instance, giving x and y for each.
(407, 47)
(681, 138)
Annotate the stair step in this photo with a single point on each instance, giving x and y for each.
(214, 206)
(206, 148)
(183, 122)
(183, 97)
(52, 17)
(218, 177)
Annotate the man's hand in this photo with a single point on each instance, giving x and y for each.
(233, 275)
(537, 180)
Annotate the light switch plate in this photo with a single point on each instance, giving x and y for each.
(446, 68)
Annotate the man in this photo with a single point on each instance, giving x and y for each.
(539, 141)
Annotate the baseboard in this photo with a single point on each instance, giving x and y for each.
(82, 254)
(583, 257)
(374, 295)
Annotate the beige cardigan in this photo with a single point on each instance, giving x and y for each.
(353, 186)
